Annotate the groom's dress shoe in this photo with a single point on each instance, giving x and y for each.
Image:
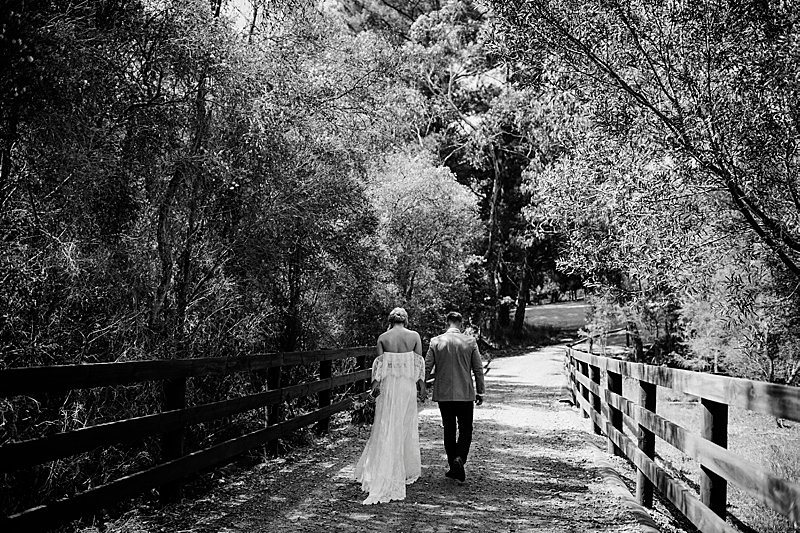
(450, 474)
(458, 470)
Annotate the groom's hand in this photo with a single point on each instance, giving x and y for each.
(478, 399)
(376, 391)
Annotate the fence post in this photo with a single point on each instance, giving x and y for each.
(584, 369)
(647, 444)
(174, 397)
(714, 488)
(596, 403)
(571, 375)
(325, 372)
(276, 409)
(615, 415)
(361, 364)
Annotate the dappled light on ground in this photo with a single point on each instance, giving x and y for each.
(531, 468)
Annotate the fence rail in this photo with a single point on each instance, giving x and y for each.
(608, 409)
(169, 423)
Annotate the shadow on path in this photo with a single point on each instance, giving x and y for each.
(531, 468)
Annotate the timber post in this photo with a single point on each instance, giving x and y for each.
(361, 364)
(714, 427)
(583, 368)
(596, 402)
(325, 372)
(647, 444)
(174, 397)
(275, 410)
(614, 380)
(573, 384)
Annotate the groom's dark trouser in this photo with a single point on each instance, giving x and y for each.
(459, 413)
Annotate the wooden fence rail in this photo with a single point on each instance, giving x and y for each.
(169, 424)
(609, 409)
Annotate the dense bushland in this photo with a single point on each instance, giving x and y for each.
(676, 192)
(184, 178)
(176, 183)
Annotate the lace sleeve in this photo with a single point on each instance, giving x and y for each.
(377, 367)
(419, 367)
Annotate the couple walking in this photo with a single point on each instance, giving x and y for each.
(391, 458)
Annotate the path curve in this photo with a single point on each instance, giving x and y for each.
(533, 467)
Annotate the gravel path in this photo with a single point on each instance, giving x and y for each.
(533, 467)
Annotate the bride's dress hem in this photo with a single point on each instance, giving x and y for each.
(384, 498)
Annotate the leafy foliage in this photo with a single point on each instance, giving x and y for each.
(678, 178)
(172, 187)
(486, 131)
(428, 225)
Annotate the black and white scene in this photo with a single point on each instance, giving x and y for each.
(400, 266)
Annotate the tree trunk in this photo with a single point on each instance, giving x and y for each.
(633, 332)
(164, 246)
(503, 306)
(771, 377)
(495, 203)
(186, 270)
(492, 254)
(253, 24)
(523, 294)
(503, 315)
(184, 171)
(410, 290)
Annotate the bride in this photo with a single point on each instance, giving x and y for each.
(391, 458)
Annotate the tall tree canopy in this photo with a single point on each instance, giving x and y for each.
(709, 81)
(684, 167)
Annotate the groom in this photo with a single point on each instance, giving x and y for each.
(454, 356)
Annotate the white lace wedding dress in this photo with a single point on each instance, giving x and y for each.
(391, 458)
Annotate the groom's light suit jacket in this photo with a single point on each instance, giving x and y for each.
(456, 358)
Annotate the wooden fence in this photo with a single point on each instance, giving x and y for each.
(169, 423)
(603, 402)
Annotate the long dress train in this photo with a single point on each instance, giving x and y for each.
(391, 458)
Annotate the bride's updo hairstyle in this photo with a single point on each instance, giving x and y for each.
(398, 315)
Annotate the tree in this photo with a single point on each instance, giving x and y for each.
(682, 149)
(694, 75)
(392, 18)
(486, 131)
(619, 231)
(428, 229)
(174, 187)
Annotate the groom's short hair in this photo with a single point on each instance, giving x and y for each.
(454, 317)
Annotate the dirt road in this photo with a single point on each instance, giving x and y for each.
(533, 467)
